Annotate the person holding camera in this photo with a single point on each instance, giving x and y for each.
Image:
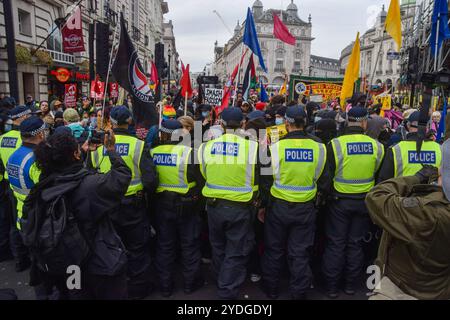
(414, 212)
(130, 218)
(90, 199)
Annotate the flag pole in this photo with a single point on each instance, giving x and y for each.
(376, 64)
(185, 104)
(239, 74)
(437, 42)
(107, 75)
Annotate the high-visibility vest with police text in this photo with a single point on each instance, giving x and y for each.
(9, 143)
(407, 162)
(22, 174)
(228, 166)
(130, 149)
(171, 163)
(297, 165)
(358, 158)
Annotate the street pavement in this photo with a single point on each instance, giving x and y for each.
(250, 291)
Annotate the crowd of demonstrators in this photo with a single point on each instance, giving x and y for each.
(300, 198)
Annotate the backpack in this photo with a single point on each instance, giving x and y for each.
(51, 231)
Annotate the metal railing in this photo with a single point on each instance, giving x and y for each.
(111, 16)
(61, 57)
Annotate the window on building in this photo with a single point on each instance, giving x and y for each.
(296, 66)
(280, 45)
(303, 32)
(135, 13)
(258, 29)
(24, 23)
(298, 54)
(54, 42)
(279, 66)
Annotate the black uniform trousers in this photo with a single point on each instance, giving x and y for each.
(133, 226)
(289, 228)
(232, 239)
(346, 226)
(177, 221)
(10, 238)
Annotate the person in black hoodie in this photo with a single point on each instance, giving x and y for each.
(92, 198)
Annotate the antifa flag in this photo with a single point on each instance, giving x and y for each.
(102, 49)
(128, 71)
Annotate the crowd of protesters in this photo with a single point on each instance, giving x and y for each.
(67, 149)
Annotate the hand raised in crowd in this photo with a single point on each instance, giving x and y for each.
(110, 141)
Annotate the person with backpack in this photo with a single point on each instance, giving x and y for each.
(66, 221)
(131, 217)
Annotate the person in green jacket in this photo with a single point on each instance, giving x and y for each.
(414, 253)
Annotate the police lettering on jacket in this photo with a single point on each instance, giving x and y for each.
(225, 149)
(122, 149)
(426, 157)
(168, 160)
(9, 142)
(299, 155)
(359, 148)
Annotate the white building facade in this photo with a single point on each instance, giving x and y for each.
(34, 20)
(373, 41)
(280, 58)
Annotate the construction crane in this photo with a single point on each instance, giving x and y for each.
(223, 22)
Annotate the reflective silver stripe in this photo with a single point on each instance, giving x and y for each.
(182, 168)
(379, 155)
(236, 189)
(362, 181)
(202, 152)
(23, 185)
(250, 164)
(96, 156)
(320, 163)
(136, 157)
(276, 163)
(24, 192)
(398, 160)
(340, 159)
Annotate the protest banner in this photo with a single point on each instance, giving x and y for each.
(213, 96)
(70, 95)
(113, 90)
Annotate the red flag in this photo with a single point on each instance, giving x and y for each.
(97, 88)
(72, 33)
(183, 68)
(186, 87)
(154, 76)
(227, 88)
(281, 32)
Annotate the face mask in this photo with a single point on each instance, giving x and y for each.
(205, 114)
(279, 121)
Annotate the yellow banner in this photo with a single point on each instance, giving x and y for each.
(329, 91)
(275, 133)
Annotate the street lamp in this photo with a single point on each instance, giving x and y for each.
(169, 52)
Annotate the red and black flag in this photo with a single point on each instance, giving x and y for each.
(130, 75)
(250, 80)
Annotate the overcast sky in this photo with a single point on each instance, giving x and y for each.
(334, 24)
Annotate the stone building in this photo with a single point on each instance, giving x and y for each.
(386, 72)
(35, 19)
(279, 58)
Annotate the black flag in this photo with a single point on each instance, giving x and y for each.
(128, 72)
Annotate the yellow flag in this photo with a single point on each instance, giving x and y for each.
(283, 89)
(352, 72)
(393, 23)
